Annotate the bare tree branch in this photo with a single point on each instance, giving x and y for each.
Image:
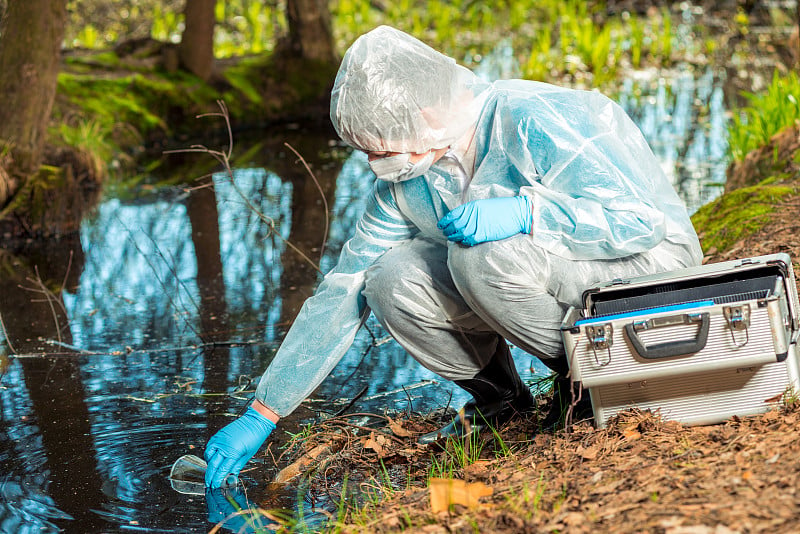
(5, 334)
(324, 200)
(224, 159)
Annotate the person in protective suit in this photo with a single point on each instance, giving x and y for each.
(496, 205)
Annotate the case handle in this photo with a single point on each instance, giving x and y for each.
(670, 348)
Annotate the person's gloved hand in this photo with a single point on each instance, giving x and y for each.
(489, 219)
(233, 446)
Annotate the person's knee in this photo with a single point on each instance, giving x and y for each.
(466, 266)
(387, 282)
(473, 268)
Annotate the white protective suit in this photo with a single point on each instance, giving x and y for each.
(602, 209)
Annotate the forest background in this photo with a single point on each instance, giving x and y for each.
(90, 87)
(91, 84)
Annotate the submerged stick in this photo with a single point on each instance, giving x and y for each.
(5, 335)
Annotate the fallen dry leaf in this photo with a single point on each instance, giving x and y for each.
(589, 453)
(377, 442)
(397, 429)
(446, 492)
(478, 469)
(631, 434)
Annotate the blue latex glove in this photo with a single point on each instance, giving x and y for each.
(489, 219)
(233, 446)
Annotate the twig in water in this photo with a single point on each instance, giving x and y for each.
(49, 297)
(161, 282)
(352, 401)
(366, 428)
(321, 194)
(405, 389)
(5, 334)
(66, 273)
(224, 159)
(410, 409)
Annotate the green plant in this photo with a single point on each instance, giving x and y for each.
(765, 115)
(665, 38)
(791, 397)
(440, 468)
(539, 60)
(636, 41)
(252, 519)
(247, 27)
(92, 138)
(166, 24)
(89, 37)
(528, 501)
(381, 488)
(502, 450)
(458, 453)
(305, 432)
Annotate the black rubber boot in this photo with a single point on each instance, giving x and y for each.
(498, 394)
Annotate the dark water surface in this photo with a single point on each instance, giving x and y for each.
(175, 300)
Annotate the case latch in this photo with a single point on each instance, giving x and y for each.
(601, 338)
(738, 319)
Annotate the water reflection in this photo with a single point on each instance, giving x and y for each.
(164, 307)
(138, 287)
(684, 120)
(158, 317)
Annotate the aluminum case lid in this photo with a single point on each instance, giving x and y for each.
(778, 265)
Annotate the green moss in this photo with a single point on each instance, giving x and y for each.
(106, 60)
(275, 86)
(30, 199)
(738, 214)
(107, 108)
(310, 78)
(780, 178)
(113, 101)
(129, 107)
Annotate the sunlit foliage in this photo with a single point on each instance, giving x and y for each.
(765, 115)
(243, 26)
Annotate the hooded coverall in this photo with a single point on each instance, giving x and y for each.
(602, 208)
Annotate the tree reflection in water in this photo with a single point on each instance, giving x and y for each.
(170, 295)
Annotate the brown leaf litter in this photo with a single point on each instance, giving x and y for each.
(639, 474)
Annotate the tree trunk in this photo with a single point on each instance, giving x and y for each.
(30, 44)
(196, 50)
(310, 34)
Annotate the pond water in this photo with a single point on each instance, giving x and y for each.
(176, 298)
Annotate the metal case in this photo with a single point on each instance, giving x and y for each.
(699, 345)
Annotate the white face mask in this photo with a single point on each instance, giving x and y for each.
(399, 167)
